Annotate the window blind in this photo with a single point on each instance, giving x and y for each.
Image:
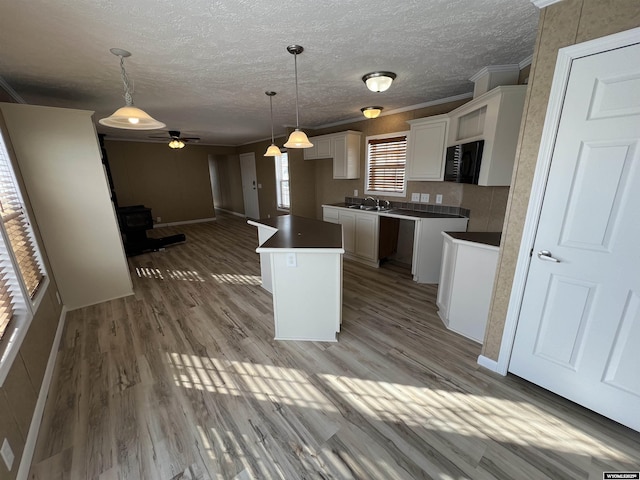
(21, 242)
(386, 164)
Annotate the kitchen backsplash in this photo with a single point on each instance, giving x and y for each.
(419, 207)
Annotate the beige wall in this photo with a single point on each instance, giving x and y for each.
(175, 184)
(19, 393)
(226, 167)
(562, 24)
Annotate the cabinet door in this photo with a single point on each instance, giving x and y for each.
(427, 143)
(323, 147)
(340, 157)
(331, 215)
(367, 236)
(348, 222)
(311, 153)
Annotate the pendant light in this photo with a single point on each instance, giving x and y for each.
(273, 150)
(297, 139)
(371, 112)
(129, 117)
(379, 81)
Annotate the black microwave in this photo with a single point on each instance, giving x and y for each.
(462, 164)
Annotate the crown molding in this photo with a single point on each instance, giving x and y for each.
(495, 68)
(544, 3)
(10, 91)
(526, 62)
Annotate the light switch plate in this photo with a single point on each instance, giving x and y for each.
(438, 198)
(424, 198)
(355, 193)
(415, 197)
(291, 260)
(7, 454)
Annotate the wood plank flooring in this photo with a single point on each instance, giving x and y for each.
(184, 381)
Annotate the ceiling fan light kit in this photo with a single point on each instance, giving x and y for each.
(273, 150)
(129, 117)
(371, 112)
(176, 143)
(297, 139)
(379, 81)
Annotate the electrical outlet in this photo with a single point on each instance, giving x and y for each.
(7, 454)
(259, 185)
(424, 198)
(415, 197)
(291, 260)
(438, 198)
(355, 192)
(158, 219)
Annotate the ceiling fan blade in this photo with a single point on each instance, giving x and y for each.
(159, 137)
(190, 139)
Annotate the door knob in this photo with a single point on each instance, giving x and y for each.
(546, 255)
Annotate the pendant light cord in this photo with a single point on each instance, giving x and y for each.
(125, 80)
(295, 63)
(271, 107)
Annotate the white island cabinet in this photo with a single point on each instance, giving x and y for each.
(301, 265)
(469, 262)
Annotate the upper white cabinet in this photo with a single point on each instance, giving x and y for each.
(495, 118)
(427, 148)
(343, 148)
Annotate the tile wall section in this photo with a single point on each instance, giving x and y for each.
(418, 207)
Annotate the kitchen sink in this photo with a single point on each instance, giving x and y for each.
(371, 208)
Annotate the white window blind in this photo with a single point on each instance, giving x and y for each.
(386, 162)
(19, 259)
(282, 181)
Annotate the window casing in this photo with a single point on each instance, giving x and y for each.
(23, 279)
(282, 181)
(386, 165)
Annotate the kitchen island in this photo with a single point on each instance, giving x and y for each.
(301, 266)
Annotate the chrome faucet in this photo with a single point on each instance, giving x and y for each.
(375, 200)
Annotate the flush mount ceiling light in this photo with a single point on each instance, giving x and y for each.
(129, 117)
(273, 150)
(378, 81)
(371, 112)
(297, 139)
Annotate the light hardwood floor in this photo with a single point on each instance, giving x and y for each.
(184, 381)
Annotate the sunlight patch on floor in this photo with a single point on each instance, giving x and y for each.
(265, 383)
(193, 276)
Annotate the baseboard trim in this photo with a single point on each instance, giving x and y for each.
(488, 363)
(231, 212)
(34, 428)
(185, 222)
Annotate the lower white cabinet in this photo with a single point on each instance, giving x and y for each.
(427, 246)
(367, 236)
(466, 286)
(359, 233)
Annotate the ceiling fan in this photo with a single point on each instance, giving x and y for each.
(175, 140)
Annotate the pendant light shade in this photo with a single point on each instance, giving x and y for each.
(379, 81)
(273, 150)
(297, 139)
(371, 112)
(129, 117)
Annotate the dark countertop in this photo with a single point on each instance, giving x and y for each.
(487, 238)
(401, 212)
(301, 232)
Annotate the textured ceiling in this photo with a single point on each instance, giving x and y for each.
(202, 66)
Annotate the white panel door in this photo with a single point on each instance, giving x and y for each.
(249, 185)
(579, 326)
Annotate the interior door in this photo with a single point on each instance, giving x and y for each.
(249, 185)
(579, 325)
